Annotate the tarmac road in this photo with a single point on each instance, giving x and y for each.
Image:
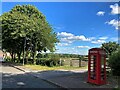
(14, 78)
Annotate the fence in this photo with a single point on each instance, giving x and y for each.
(74, 62)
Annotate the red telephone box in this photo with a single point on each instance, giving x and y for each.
(97, 66)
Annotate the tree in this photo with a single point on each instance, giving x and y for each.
(13, 32)
(110, 47)
(27, 23)
(114, 63)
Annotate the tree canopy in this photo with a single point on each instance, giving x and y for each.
(26, 22)
(114, 63)
(110, 47)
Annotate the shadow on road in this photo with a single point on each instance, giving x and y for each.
(54, 79)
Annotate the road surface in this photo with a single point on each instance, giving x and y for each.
(14, 78)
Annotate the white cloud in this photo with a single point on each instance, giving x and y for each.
(73, 48)
(70, 38)
(100, 13)
(59, 27)
(65, 34)
(81, 37)
(66, 40)
(114, 23)
(83, 47)
(63, 44)
(92, 38)
(98, 41)
(115, 9)
(103, 38)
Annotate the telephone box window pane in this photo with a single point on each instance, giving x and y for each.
(93, 67)
(102, 68)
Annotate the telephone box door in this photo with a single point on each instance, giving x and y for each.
(92, 67)
(103, 69)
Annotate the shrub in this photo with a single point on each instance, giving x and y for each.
(114, 63)
(8, 59)
(30, 61)
(54, 61)
(39, 55)
(41, 61)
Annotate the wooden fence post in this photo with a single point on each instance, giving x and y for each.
(71, 62)
(79, 62)
(60, 62)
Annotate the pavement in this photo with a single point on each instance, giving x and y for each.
(66, 78)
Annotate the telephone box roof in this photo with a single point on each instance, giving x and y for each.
(96, 49)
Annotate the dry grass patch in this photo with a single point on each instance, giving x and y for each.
(39, 67)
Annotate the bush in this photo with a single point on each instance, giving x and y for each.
(30, 61)
(54, 61)
(39, 55)
(41, 61)
(8, 59)
(114, 63)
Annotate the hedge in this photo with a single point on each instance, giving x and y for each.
(48, 62)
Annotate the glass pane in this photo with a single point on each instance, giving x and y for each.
(93, 67)
(102, 67)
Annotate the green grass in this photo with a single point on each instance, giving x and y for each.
(116, 89)
(43, 68)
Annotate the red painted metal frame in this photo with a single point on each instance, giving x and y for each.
(100, 53)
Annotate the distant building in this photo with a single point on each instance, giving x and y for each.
(1, 53)
(1, 56)
(4, 54)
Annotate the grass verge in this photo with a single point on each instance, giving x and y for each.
(39, 67)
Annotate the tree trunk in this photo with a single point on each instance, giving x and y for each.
(19, 57)
(79, 62)
(27, 52)
(12, 56)
(19, 54)
(34, 54)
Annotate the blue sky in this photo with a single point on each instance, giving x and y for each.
(79, 26)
